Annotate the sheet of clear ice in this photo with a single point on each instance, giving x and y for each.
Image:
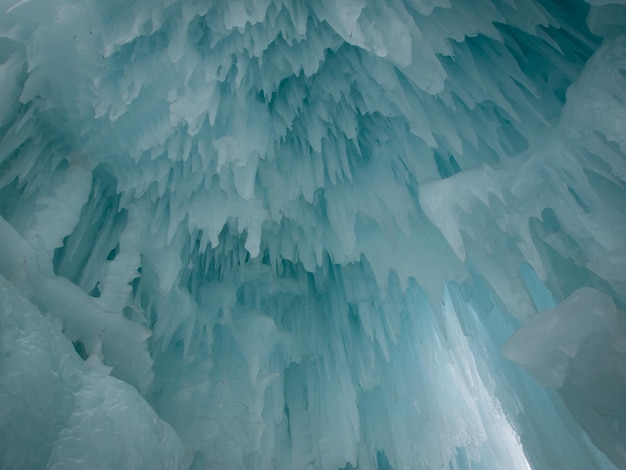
(281, 234)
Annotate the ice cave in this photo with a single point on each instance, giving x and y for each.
(313, 234)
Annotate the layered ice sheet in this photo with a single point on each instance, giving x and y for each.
(296, 235)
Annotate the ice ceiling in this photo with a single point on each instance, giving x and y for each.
(325, 234)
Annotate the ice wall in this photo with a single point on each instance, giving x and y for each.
(296, 235)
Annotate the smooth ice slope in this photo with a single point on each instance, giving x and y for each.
(289, 234)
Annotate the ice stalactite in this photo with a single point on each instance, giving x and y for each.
(280, 234)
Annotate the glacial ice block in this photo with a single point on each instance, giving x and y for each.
(579, 348)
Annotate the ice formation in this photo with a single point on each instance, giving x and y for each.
(327, 234)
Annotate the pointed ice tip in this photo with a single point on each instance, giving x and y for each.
(253, 243)
(253, 250)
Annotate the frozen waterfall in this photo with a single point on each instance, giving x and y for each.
(313, 234)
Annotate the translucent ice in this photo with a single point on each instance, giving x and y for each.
(579, 348)
(280, 234)
(58, 413)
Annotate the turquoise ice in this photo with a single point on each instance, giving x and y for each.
(313, 234)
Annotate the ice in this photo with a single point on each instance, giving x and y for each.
(284, 234)
(61, 414)
(579, 348)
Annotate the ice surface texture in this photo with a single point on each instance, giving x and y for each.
(291, 234)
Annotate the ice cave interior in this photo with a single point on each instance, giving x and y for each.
(313, 234)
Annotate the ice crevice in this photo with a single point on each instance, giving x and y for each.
(279, 234)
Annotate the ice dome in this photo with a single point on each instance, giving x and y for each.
(325, 234)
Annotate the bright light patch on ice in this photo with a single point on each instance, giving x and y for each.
(467, 381)
(289, 234)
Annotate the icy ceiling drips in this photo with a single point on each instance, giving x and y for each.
(302, 231)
